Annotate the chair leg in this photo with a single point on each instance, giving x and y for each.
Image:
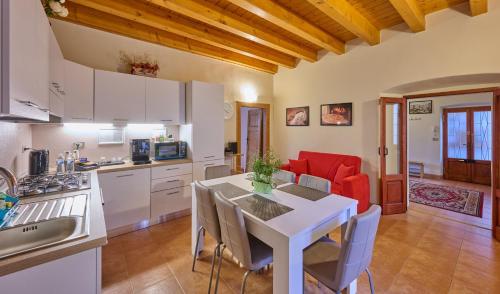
(196, 247)
(370, 280)
(221, 253)
(245, 281)
(216, 253)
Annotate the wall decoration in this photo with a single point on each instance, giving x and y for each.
(55, 8)
(421, 107)
(339, 114)
(140, 65)
(297, 116)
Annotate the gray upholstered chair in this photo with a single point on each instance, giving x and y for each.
(209, 221)
(336, 266)
(252, 253)
(314, 182)
(285, 175)
(217, 171)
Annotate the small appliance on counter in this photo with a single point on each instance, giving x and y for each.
(139, 151)
(38, 162)
(170, 150)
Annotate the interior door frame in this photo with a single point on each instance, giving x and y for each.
(266, 108)
(495, 162)
(401, 179)
(470, 135)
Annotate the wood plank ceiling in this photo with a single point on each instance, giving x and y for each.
(259, 34)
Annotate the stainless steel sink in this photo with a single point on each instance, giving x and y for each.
(42, 224)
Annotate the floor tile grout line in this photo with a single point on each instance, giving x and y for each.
(176, 279)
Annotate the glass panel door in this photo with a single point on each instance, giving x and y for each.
(457, 135)
(392, 139)
(482, 135)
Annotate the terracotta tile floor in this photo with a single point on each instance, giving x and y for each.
(483, 222)
(415, 252)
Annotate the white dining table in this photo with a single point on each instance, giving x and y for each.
(290, 233)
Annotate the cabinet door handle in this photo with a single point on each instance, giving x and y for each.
(172, 193)
(211, 156)
(209, 164)
(102, 198)
(123, 176)
(169, 169)
(166, 120)
(81, 118)
(173, 181)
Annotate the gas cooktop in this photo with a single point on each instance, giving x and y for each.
(52, 183)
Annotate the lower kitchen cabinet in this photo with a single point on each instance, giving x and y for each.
(199, 168)
(170, 201)
(126, 196)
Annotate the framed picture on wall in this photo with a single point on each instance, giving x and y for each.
(297, 116)
(339, 114)
(421, 107)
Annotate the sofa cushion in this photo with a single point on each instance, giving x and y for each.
(342, 173)
(325, 165)
(298, 166)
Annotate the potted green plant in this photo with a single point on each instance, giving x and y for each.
(263, 169)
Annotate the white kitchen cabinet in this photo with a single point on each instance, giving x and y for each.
(79, 89)
(165, 101)
(56, 67)
(56, 104)
(171, 182)
(205, 116)
(199, 168)
(25, 49)
(76, 274)
(170, 201)
(119, 97)
(166, 171)
(126, 196)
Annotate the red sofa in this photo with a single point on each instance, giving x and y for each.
(325, 165)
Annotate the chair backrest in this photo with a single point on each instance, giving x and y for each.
(285, 175)
(357, 246)
(217, 171)
(315, 183)
(233, 230)
(207, 212)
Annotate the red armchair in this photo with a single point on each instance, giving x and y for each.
(325, 165)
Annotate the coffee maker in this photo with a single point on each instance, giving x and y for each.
(38, 162)
(140, 150)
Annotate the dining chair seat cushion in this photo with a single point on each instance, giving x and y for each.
(321, 259)
(262, 254)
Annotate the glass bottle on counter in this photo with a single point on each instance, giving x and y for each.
(69, 162)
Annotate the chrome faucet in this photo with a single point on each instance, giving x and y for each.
(10, 179)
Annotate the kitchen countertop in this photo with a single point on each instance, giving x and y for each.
(97, 234)
(130, 166)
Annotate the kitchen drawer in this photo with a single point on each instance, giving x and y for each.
(199, 168)
(170, 183)
(170, 201)
(171, 170)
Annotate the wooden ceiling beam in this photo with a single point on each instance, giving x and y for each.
(411, 14)
(286, 19)
(350, 18)
(98, 20)
(478, 7)
(213, 15)
(134, 11)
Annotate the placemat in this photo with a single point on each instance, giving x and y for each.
(278, 182)
(261, 207)
(304, 192)
(229, 190)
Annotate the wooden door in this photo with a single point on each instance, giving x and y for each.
(392, 153)
(254, 135)
(495, 187)
(467, 144)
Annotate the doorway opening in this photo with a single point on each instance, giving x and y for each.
(252, 128)
(449, 157)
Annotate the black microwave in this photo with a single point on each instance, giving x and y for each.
(170, 150)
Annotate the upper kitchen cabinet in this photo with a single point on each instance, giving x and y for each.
(205, 116)
(79, 89)
(165, 101)
(56, 66)
(25, 60)
(119, 97)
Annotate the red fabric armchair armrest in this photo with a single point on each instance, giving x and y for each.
(285, 166)
(357, 187)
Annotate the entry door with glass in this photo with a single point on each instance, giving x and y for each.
(467, 141)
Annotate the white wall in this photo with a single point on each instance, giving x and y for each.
(101, 50)
(421, 146)
(12, 139)
(453, 44)
(58, 138)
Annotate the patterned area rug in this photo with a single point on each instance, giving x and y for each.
(456, 199)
